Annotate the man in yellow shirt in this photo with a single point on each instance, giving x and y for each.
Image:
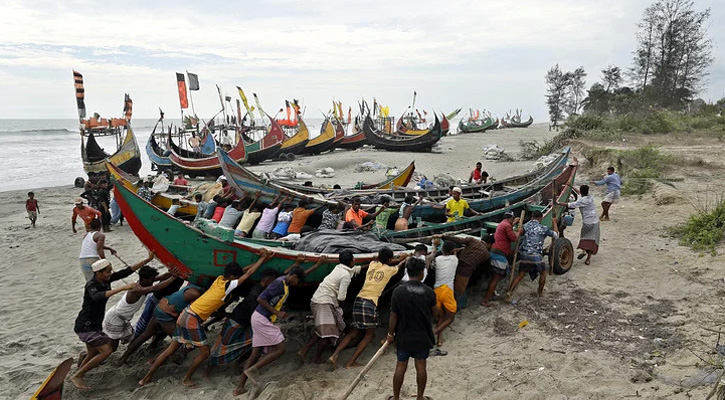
(189, 330)
(456, 207)
(365, 308)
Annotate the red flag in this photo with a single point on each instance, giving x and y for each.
(181, 83)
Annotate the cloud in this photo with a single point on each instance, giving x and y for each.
(489, 55)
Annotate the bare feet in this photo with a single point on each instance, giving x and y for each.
(300, 358)
(78, 382)
(353, 365)
(145, 381)
(587, 262)
(485, 303)
(239, 390)
(333, 362)
(253, 375)
(189, 383)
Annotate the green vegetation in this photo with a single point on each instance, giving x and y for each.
(704, 229)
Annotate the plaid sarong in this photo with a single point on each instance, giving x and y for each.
(499, 263)
(589, 238)
(533, 263)
(328, 320)
(189, 331)
(364, 314)
(233, 342)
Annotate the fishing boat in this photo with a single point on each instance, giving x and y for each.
(266, 148)
(198, 257)
(323, 142)
(387, 187)
(208, 147)
(445, 125)
(517, 123)
(207, 166)
(473, 126)
(296, 142)
(557, 190)
(354, 141)
(423, 142)
(52, 387)
(162, 200)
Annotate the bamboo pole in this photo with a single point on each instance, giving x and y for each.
(516, 252)
(362, 373)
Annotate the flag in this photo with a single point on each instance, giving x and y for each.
(239, 113)
(181, 83)
(246, 102)
(259, 106)
(349, 114)
(339, 110)
(80, 94)
(127, 107)
(287, 106)
(193, 81)
(161, 113)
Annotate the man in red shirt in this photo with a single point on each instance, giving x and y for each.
(180, 181)
(477, 175)
(86, 213)
(32, 207)
(501, 252)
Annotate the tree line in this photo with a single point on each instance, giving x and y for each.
(670, 65)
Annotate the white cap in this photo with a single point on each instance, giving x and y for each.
(100, 265)
(457, 189)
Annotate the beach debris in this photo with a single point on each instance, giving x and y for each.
(393, 171)
(302, 175)
(523, 324)
(493, 152)
(160, 183)
(326, 172)
(370, 166)
(444, 180)
(543, 161)
(283, 173)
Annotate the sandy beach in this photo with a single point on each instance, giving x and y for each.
(628, 325)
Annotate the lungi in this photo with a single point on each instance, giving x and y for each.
(94, 339)
(117, 327)
(264, 332)
(533, 263)
(364, 314)
(499, 263)
(233, 342)
(328, 320)
(612, 197)
(189, 331)
(589, 238)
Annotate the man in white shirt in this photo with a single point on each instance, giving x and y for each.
(325, 305)
(420, 252)
(445, 267)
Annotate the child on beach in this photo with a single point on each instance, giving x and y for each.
(32, 207)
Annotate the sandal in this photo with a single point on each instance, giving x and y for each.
(581, 255)
(438, 352)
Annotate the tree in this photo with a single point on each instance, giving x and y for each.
(674, 52)
(576, 82)
(611, 78)
(597, 100)
(556, 82)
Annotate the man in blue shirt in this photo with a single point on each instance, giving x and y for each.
(614, 183)
(531, 250)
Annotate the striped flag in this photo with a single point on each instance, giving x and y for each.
(80, 94)
(127, 107)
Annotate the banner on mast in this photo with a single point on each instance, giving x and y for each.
(193, 81)
(181, 84)
(127, 107)
(80, 94)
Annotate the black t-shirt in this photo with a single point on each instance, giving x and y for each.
(413, 301)
(242, 313)
(90, 318)
(171, 289)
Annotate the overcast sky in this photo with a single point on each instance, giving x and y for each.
(490, 55)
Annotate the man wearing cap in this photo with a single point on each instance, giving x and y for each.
(89, 323)
(501, 252)
(86, 213)
(456, 207)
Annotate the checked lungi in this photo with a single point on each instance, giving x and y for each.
(189, 330)
(533, 263)
(364, 314)
(328, 320)
(233, 342)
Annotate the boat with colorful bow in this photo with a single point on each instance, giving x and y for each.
(419, 143)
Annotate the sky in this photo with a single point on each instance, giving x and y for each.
(484, 55)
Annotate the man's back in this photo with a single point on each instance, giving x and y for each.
(413, 302)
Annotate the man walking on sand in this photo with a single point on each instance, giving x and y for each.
(614, 183)
(89, 323)
(411, 324)
(86, 213)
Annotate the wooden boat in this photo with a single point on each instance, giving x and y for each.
(483, 222)
(127, 157)
(486, 197)
(297, 142)
(207, 166)
(339, 132)
(157, 155)
(208, 148)
(322, 143)
(386, 187)
(516, 123)
(198, 257)
(354, 141)
(52, 387)
(266, 148)
(162, 200)
(475, 126)
(445, 125)
(422, 142)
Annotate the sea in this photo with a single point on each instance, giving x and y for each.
(37, 153)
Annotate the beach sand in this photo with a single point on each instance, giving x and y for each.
(629, 325)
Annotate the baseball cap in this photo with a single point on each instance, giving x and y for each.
(79, 200)
(100, 265)
(508, 214)
(457, 189)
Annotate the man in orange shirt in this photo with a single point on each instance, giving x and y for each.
(355, 215)
(86, 213)
(300, 216)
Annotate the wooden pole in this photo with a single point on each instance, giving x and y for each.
(516, 251)
(364, 371)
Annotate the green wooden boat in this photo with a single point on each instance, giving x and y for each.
(199, 257)
(475, 126)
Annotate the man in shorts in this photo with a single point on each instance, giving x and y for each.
(614, 183)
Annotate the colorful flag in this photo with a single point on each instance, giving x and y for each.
(259, 106)
(193, 81)
(181, 83)
(80, 94)
(246, 103)
(127, 107)
(287, 106)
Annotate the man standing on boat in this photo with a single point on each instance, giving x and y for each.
(614, 183)
(457, 207)
(531, 251)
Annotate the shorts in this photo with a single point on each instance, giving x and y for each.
(445, 298)
(33, 215)
(612, 197)
(404, 355)
(94, 339)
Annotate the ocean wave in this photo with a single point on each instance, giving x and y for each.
(44, 130)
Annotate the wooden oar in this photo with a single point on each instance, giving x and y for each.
(516, 251)
(364, 371)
